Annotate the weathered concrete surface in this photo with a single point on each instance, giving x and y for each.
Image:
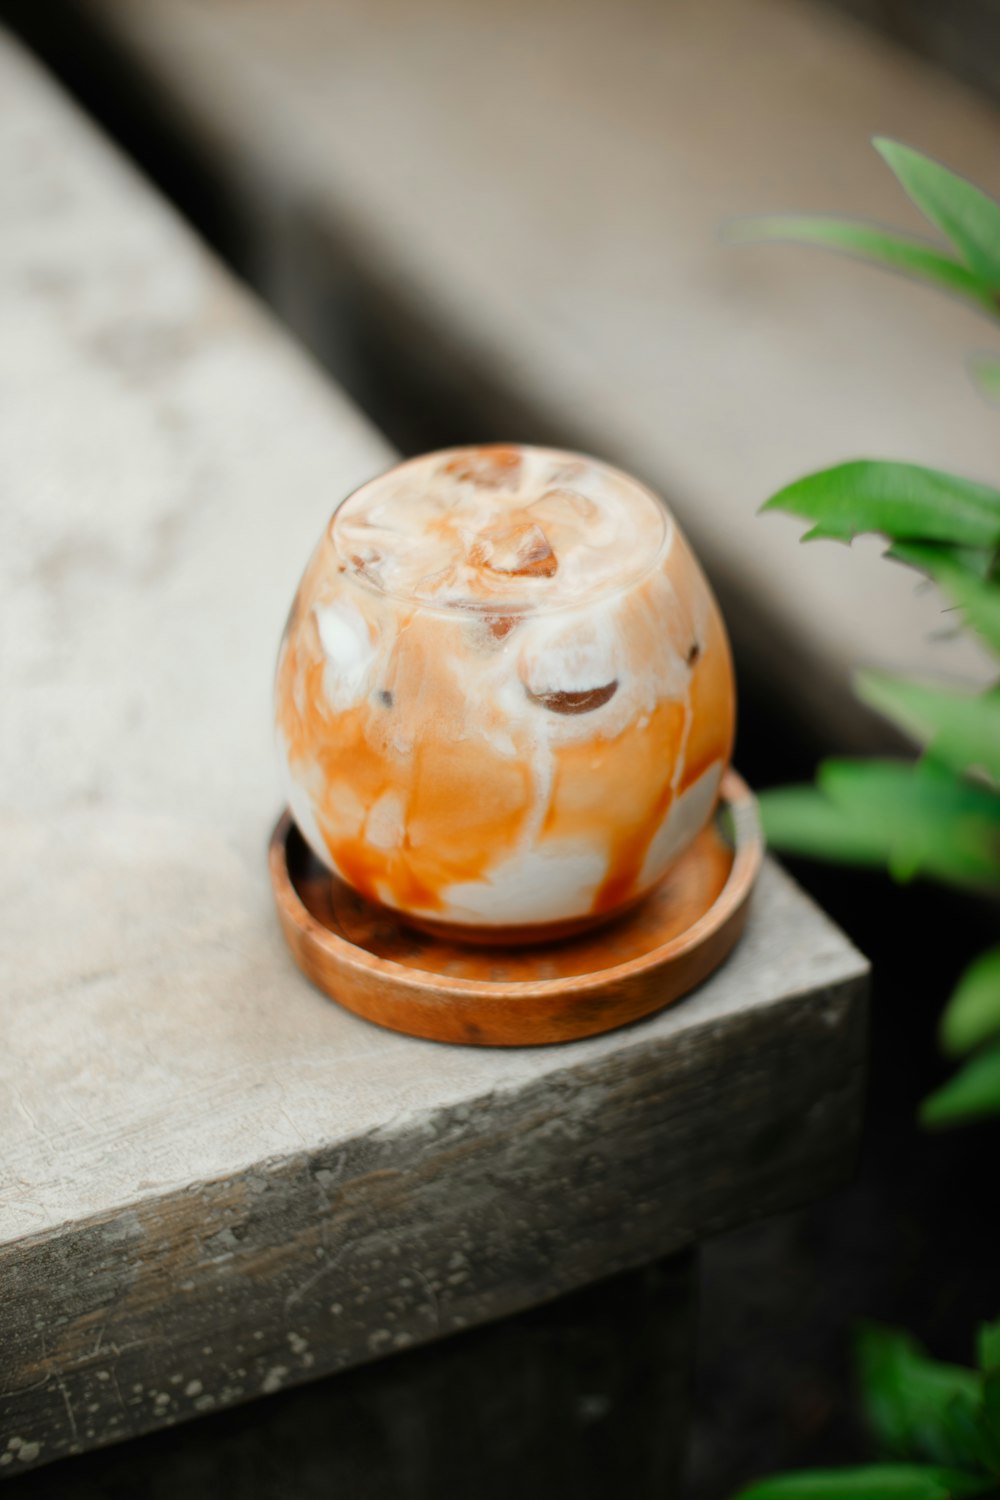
(530, 196)
(214, 1183)
(588, 1395)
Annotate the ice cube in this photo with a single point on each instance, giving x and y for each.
(562, 701)
(488, 468)
(573, 668)
(520, 550)
(562, 502)
(349, 649)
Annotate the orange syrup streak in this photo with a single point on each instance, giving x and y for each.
(461, 809)
(461, 806)
(614, 792)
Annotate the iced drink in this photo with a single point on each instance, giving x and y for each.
(504, 696)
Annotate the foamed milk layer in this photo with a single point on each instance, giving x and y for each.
(515, 527)
(504, 696)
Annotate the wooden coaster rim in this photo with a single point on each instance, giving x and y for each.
(723, 917)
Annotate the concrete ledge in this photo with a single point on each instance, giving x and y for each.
(213, 1182)
(523, 204)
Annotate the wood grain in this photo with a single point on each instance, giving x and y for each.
(431, 987)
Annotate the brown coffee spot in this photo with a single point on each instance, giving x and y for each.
(367, 565)
(501, 626)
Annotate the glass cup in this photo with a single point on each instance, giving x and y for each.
(504, 696)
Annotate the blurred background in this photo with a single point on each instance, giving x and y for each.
(495, 219)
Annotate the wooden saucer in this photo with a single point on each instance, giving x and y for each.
(367, 960)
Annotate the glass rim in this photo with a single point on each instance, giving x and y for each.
(470, 609)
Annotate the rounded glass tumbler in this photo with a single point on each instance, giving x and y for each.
(504, 696)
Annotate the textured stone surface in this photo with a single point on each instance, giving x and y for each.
(531, 198)
(213, 1182)
(588, 1395)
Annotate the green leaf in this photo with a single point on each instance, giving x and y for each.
(973, 1012)
(985, 371)
(934, 823)
(803, 820)
(963, 212)
(894, 252)
(975, 562)
(919, 1407)
(875, 1482)
(972, 1094)
(976, 597)
(912, 818)
(991, 1408)
(962, 729)
(903, 501)
(988, 1346)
